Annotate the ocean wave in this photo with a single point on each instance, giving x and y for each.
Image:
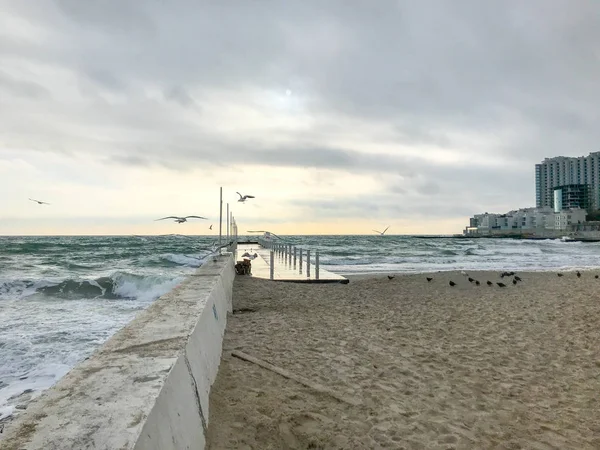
(119, 285)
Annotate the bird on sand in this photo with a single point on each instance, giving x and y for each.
(39, 202)
(501, 284)
(471, 280)
(489, 283)
(578, 274)
(477, 282)
(391, 277)
(452, 283)
(514, 281)
(381, 233)
(181, 219)
(429, 279)
(559, 274)
(518, 278)
(243, 198)
(595, 276)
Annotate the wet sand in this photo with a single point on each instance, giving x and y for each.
(430, 366)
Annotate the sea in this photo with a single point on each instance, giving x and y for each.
(62, 297)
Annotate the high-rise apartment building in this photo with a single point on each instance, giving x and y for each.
(567, 182)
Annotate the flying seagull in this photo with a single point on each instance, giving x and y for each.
(182, 219)
(39, 202)
(243, 198)
(381, 233)
(210, 228)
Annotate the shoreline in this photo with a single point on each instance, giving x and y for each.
(366, 275)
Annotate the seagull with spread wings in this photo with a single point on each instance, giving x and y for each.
(181, 219)
(243, 198)
(39, 202)
(381, 233)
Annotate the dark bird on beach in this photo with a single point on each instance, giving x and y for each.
(596, 276)
(501, 284)
(471, 280)
(391, 277)
(578, 274)
(429, 279)
(489, 283)
(559, 274)
(477, 282)
(452, 283)
(518, 278)
(514, 281)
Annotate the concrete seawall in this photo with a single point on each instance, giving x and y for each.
(148, 386)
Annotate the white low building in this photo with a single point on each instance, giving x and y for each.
(567, 217)
(528, 219)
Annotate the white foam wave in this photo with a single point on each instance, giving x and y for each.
(184, 260)
(142, 288)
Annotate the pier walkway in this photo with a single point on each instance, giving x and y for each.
(285, 267)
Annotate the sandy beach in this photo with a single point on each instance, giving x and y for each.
(427, 366)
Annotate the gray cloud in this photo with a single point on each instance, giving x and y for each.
(19, 88)
(485, 80)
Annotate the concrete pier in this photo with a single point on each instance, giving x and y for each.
(148, 386)
(283, 269)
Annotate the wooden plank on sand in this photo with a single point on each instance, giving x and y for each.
(291, 376)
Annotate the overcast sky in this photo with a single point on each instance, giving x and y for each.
(339, 116)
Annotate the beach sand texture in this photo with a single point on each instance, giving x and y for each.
(431, 366)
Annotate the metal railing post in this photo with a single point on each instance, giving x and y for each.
(290, 254)
(307, 263)
(300, 260)
(272, 268)
(228, 223)
(295, 254)
(220, 216)
(316, 265)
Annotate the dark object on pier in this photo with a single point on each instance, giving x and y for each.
(243, 267)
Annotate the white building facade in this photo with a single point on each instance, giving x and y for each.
(528, 219)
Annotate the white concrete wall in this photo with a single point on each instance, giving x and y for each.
(148, 386)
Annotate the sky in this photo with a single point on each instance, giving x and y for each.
(339, 116)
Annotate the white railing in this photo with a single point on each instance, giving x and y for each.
(291, 257)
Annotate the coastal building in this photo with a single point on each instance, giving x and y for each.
(526, 219)
(568, 182)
